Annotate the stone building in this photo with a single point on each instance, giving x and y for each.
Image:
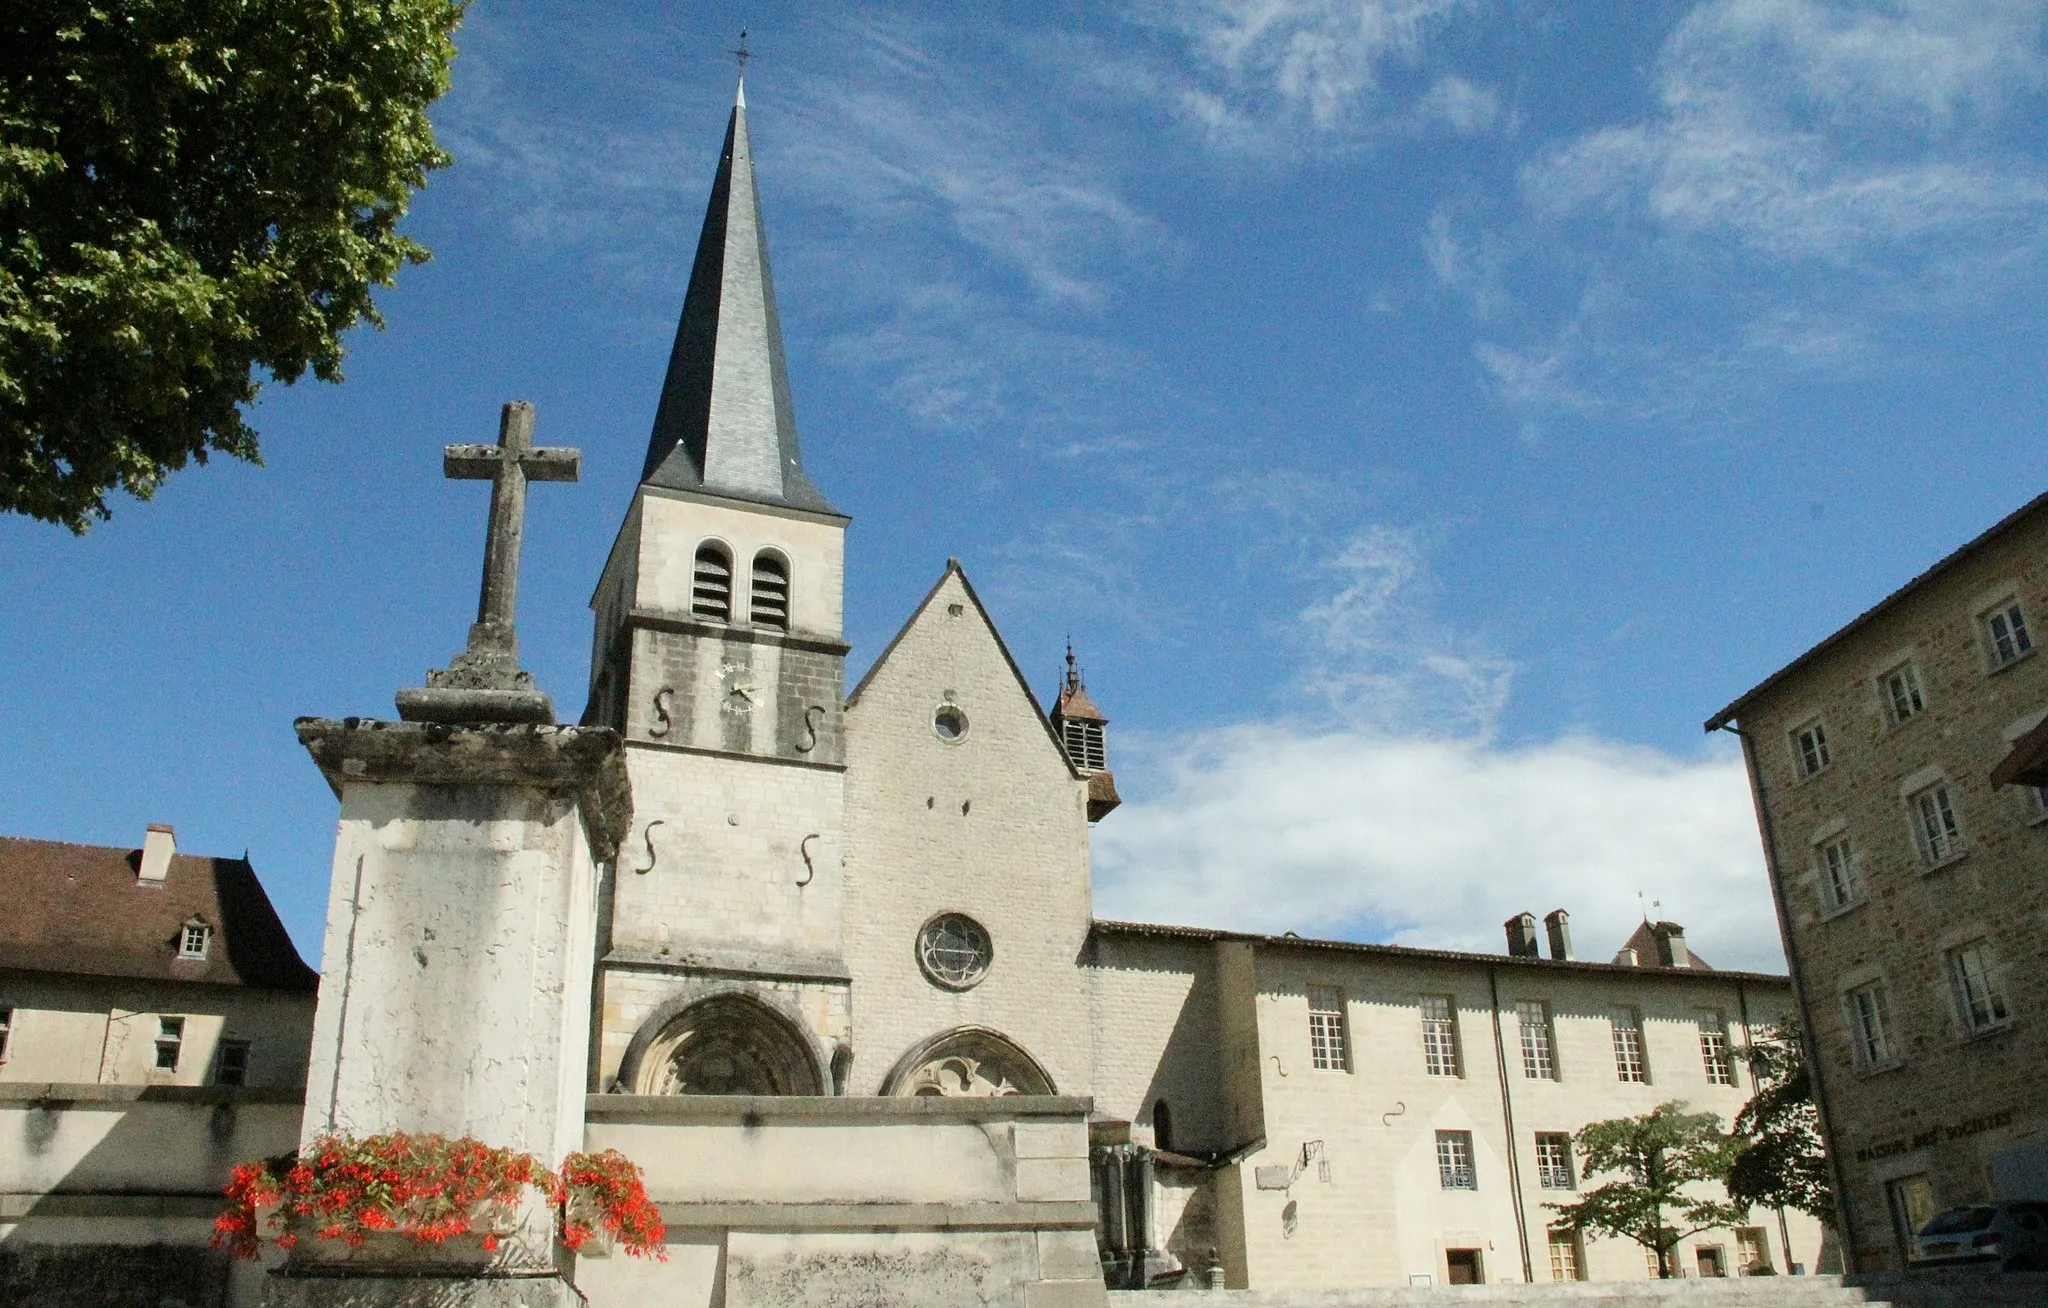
(1896, 768)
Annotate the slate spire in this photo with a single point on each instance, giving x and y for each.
(725, 424)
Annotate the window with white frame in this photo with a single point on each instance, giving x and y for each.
(1714, 1053)
(1439, 1036)
(1870, 1019)
(1810, 747)
(1326, 1043)
(1566, 1262)
(232, 1065)
(1935, 828)
(1978, 991)
(1554, 1160)
(6, 1031)
(1454, 1160)
(1903, 697)
(1629, 1064)
(2005, 627)
(1839, 884)
(170, 1042)
(1539, 1059)
(193, 940)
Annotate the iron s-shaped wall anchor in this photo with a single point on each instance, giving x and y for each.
(803, 847)
(810, 729)
(1400, 1107)
(648, 836)
(661, 711)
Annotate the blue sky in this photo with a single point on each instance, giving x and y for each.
(1422, 415)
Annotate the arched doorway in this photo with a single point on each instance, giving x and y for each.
(723, 1044)
(969, 1062)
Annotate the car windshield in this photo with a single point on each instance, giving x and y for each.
(1956, 1221)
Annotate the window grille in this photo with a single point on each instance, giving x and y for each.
(768, 600)
(1872, 1016)
(1554, 1160)
(1454, 1160)
(1714, 1049)
(1902, 692)
(233, 1068)
(1839, 884)
(192, 942)
(2007, 628)
(1538, 1061)
(170, 1041)
(1326, 1044)
(1565, 1263)
(1629, 1064)
(711, 584)
(1439, 1036)
(1811, 742)
(1977, 991)
(1084, 744)
(1934, 822)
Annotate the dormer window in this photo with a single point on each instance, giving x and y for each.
(711, 583)
(193, 940)
(768, 600)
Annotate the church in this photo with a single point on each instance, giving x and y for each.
(849, 1007)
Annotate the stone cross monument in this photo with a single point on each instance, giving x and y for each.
(461, 921)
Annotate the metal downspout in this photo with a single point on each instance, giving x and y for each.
(1507, 1114)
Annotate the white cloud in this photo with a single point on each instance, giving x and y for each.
(1464, 107)
(1434, 843)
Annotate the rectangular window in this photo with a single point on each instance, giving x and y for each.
(1654, 1262)
(1629, 1064)
(233, 1068)
(1839, 884)
(1810, 744)
(2007, 628)
(1870, 1014)
(1439, 1036)
(1326, 1044)
(192, 944)
(1902, 696)
(1934, 824)
(1554, 1160)
(1538, 1062)
(1753, 1251)
(1714, 1055)
(1978, 992)
(170, 1040)
(1454, 1160)
(6, 1031)
(1565, 1262)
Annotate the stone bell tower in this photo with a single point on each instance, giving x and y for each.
(718, 655)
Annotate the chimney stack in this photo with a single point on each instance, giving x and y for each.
(1521, 929)
(1558, 925)
(159, 842)
(1671, 950)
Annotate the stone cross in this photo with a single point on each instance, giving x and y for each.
(484, 683)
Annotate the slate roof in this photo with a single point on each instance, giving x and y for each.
(725, 425)
(77, 909)
(1644, 941)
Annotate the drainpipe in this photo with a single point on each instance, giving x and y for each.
(1843, 1210)
(1507, 1117)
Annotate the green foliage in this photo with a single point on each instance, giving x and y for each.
(191, 190)
(1655, 1156)
(1782, 1161)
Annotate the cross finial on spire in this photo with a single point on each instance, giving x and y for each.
(741, 54)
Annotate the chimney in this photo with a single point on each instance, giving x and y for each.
(1671, 951)
(158, 844)
(1521, 929)
(1628, 958)
(1558, 925)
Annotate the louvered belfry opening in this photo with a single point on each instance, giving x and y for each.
(768, 605)
(1084, 744)
(711, 584)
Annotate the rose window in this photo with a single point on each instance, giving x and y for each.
(954, 951)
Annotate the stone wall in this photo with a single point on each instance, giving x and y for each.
(1909, 1115)
(104, 1029)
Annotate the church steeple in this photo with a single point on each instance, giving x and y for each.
(725, 423)
(1079, 725)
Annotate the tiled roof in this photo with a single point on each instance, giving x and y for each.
(78, 909)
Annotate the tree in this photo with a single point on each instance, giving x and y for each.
(191, 191)
(1781, 1160)
(1657, 1156)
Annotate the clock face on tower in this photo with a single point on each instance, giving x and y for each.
(736, 681)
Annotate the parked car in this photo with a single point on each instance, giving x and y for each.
(2014, 1235)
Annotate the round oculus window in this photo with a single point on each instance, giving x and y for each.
(954, 951)
(949, 722)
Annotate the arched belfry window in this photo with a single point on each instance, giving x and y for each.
(711, 583)
(768, 604)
